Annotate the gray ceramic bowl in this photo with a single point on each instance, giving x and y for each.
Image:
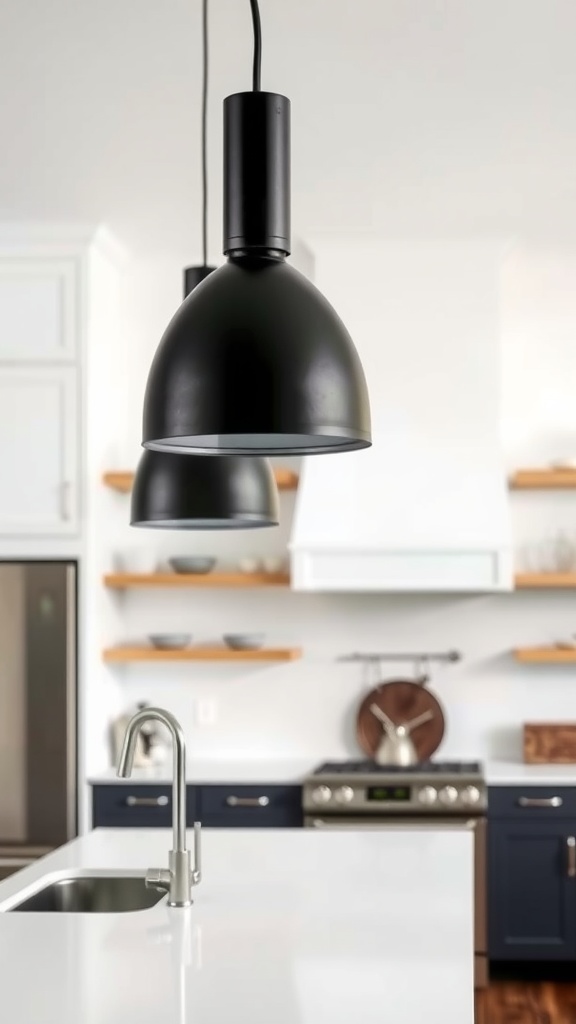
(244, 641)
(198, 565)
(170, 641)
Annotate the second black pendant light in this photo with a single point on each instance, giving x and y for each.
(195, 492)
(256, 360)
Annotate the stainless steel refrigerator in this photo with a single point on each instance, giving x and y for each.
(38, 728)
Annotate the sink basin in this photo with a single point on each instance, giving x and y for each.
(90, 895)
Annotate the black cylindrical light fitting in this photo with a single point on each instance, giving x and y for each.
(256, 173)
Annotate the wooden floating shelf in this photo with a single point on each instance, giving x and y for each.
(122, 580)
(543, 479)
(546, 655)
(127, 654)
(545, 581)
(122, 480)
(119, 480)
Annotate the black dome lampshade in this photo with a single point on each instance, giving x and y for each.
(181, 492)
(256, 361)
(189, 492)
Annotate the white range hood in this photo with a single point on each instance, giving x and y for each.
(426, 508)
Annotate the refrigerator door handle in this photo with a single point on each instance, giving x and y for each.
(71, 703)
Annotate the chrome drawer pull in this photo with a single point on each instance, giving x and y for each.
(247, 801)
(571, 849)
(147, 801)
(547, 801)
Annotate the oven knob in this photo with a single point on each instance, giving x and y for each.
(427, 795)
(321, 795)
(448, 795)
(344, 795)
(470, 796)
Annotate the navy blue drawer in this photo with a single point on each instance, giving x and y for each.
(532, 802)
(137, 806)
(250, 806)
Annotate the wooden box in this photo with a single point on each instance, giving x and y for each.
(550, 743)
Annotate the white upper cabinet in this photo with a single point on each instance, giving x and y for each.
(38, 451)
(58, 323)
(38, 309)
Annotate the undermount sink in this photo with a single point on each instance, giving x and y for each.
(83, 894)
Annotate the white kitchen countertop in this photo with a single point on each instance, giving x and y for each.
(263, 770)
(214, 770)
(516, 773)
(288, 927)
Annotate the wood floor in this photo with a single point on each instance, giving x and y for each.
(524, 1002)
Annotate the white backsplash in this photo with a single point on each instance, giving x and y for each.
(309, 707)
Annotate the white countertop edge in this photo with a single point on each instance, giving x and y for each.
(292, 771)
(516, 773)
(200, 772)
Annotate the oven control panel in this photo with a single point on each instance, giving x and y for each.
(424, 796)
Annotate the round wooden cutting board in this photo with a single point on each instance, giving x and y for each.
(402, 700)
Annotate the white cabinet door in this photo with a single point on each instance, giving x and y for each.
(38, 310)
(38, 451)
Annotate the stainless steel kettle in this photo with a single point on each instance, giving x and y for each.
(396, 746)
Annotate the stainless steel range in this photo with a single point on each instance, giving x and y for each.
(366, 789)
(433, 794)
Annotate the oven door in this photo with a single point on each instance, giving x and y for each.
(477, 825)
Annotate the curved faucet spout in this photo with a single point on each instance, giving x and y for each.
(179, 766)
(179, 879)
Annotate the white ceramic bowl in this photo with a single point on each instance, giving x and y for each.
(244, 641)
(199, 565)
(250, 564)
(170, 641)
(273, 563)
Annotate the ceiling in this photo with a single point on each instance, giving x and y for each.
(409, 116)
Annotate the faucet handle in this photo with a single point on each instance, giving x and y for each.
(196, 873)
(158, 878)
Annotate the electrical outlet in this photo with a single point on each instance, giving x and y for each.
(206, 711)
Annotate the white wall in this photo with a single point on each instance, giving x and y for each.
(307, 708)
(414, 117)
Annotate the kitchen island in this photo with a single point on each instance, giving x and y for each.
(288, 926)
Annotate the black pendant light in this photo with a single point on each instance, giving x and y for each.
(194, 492)
(190, 491)
(256, 360)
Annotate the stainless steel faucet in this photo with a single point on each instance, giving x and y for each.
(180, 877)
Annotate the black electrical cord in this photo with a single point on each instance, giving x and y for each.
(256, 77)
(204, 123)
(257, 67)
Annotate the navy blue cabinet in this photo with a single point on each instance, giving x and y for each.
(250, 806)
(231, 806)
(531, 875)
(127, 806)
